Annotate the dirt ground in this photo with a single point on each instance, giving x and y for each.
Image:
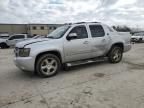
(96, 85)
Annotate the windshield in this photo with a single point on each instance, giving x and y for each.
(59, 32)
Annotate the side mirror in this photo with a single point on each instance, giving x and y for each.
(72, 36)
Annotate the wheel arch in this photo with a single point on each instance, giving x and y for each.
(56, 53)
(119, 44)
(4, 43)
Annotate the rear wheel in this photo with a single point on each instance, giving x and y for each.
(140, 40)
(48, 65)
(115, 55)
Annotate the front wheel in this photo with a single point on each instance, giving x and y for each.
(48, 65)
(4, 46)
(115, 55)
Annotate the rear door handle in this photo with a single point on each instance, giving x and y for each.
(85, 42)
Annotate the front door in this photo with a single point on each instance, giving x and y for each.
(77, 48)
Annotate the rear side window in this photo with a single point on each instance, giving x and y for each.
(97, 31)
(17, 37)
(80, 31)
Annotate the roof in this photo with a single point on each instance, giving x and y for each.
(81, 23)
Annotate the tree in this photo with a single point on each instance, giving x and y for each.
(122, 28)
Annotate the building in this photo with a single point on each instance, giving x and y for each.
(31, 29)
(41, 29)
(13, 28)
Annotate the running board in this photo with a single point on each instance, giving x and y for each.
(86, 61)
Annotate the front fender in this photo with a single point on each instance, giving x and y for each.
(35, 52)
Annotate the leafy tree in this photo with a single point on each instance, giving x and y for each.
(122, 28)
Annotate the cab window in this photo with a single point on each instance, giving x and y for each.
(80, 31)
(97, 31)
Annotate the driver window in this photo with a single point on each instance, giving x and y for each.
(80, 31)
(12, 38)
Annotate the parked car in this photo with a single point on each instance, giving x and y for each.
(71, 45)
(137, 37)
(12, 40)
(4, 35)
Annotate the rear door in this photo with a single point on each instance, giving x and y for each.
(78, 48)
(99, 40)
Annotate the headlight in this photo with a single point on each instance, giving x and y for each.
(24, 52)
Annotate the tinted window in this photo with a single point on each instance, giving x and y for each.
(17, 37)
(4, 37)
(97, 31)
(80, 31)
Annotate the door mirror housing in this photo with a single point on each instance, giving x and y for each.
(72, 36)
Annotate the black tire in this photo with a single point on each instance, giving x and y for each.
(140, 40)
(47, 67)
(115, 55)
(4, 46)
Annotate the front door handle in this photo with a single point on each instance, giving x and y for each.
(85, 42)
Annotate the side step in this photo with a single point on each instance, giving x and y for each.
(86, 61)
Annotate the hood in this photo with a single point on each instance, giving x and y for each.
(30, 41)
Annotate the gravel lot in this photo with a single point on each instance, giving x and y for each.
(96, 85)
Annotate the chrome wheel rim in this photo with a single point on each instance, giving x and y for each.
(117, 55)
(49, 66)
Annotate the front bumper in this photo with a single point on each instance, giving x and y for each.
(25, 63)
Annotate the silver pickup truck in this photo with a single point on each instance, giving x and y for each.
(70, 45)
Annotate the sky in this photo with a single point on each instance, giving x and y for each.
(112, 12)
